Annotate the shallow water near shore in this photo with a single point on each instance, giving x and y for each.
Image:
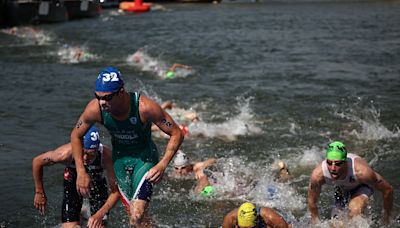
(271, 81)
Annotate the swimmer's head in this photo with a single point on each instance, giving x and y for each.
(91, 144)
(181, 160)
(336, 151)
(181, 164)
(281, 165)
(109, 80)
(247, 215)
(91, 140)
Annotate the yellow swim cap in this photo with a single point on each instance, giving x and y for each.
(247, 215)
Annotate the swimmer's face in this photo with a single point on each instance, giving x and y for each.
(181, 170)
(336, 168)
(108, 100)
(89, 155)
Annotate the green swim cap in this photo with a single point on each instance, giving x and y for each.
(170, 74)
(336, 151)
(207, 191)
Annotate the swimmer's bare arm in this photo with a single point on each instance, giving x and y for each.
(367, 175)
(178, 65)
(202, 182)
(273, 218)
(314, 190)
(90, 115)
(62, 154)
(151, 112)
(96, 219)
(230, 219)
(204, 164)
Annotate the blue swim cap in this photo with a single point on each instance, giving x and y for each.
(109, 80)
(92, 139)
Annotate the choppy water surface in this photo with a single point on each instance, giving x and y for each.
(269, 81)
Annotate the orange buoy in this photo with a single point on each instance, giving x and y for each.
(137, 6)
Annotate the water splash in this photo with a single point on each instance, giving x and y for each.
(311, 157)
(31, 36)
(241, 124)
(75, 54)
(144, 62)
(369, 125)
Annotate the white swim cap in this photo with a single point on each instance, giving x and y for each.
(181, 159)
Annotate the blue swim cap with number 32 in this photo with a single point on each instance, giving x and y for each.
(109, 80)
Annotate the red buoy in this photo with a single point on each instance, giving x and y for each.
(137, 6)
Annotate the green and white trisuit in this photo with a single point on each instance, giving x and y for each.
(134, 153)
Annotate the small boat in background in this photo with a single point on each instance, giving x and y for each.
(78, 9)
(18, 12)
(22, 12)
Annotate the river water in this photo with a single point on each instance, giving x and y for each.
(270, 81)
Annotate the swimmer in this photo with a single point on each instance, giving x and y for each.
(70, 54)
(128, 117)
(248, 215)
(283, 175)
(79, 54)
(147, 63)
(183, 167)
(171, 73)
(11, 31)
(354, 181)
(182, 114)
(97, 159)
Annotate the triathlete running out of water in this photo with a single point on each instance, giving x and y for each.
(353, 180)
(128, 118)
(96, 159)
(248, 215)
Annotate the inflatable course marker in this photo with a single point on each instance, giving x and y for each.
(137, 6)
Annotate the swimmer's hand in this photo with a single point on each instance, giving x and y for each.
(40, 202)
(95, 221)
(83, 184)
(155, 174)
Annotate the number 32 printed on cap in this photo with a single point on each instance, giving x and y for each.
(113, 77)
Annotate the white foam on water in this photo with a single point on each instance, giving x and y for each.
(75, 54)
(144, 62)
(369, 125)
(30, 35)
(111, 15)
(342, 222)
(241, 124)
(311, 157)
